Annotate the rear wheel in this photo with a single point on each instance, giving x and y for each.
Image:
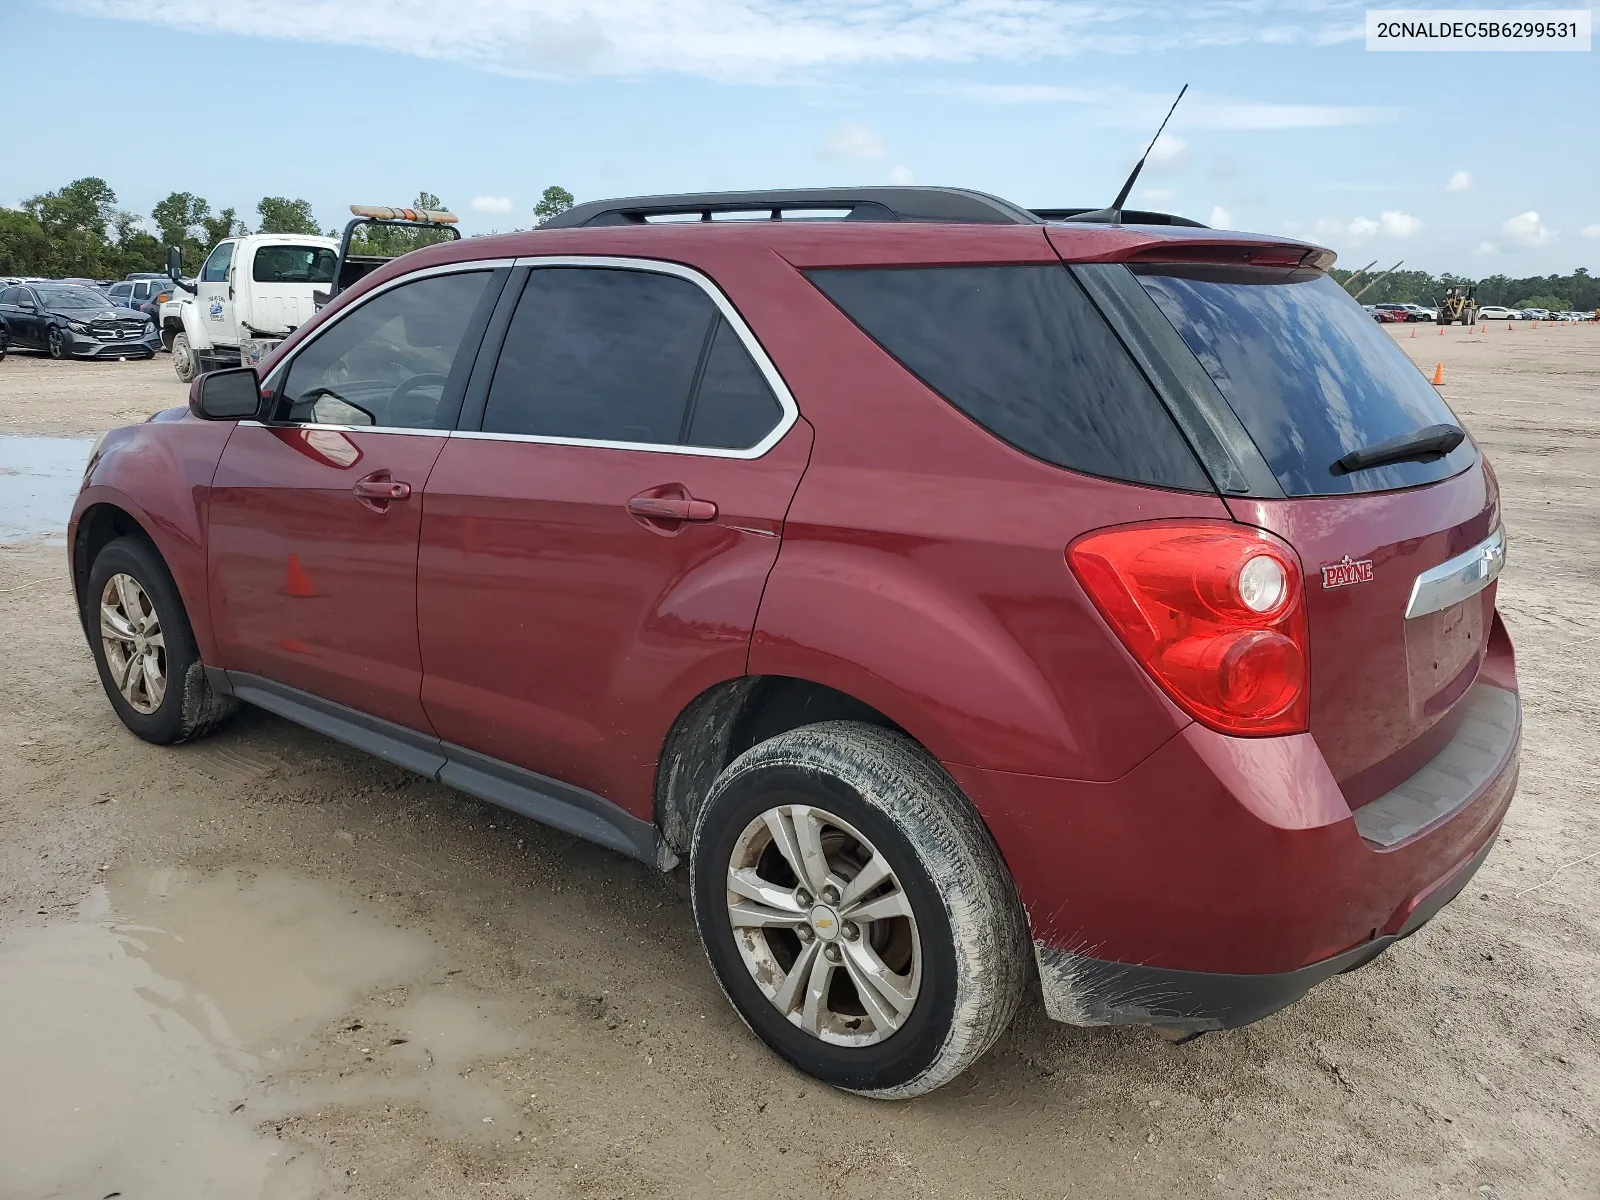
(183, 358)
(856, 911)
(144, 648)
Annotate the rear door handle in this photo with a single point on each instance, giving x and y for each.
(672, 508)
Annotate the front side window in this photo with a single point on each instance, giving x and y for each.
(10, 295)
(602, 354)
(216, 268)
(390, 361)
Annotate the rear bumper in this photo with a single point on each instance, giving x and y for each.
(1090, 991)
(1222, 878)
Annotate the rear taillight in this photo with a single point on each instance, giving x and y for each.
(1216, 614)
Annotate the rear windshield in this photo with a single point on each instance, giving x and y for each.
(293, 264)
(1310, 374)
(1022, 351)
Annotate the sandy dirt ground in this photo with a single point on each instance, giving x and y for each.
(264, 965)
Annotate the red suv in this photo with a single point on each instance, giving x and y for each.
(966, 595)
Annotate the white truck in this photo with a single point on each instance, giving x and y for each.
(255, 290)
(252, 292)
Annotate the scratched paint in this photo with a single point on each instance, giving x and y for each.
(39, 476)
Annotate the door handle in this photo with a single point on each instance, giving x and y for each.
(672, 508)
(379, 489)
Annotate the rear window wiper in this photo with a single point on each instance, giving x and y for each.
(1431, 441)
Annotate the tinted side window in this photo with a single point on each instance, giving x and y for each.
(733, 407)
(389, 361)
(216, 268)
(1024, 353)
(120, 291)
(10, 295)
(601, 354)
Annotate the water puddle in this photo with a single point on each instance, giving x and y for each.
(39, 477)
(153, 1045)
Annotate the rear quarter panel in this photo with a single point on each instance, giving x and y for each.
(923, 567)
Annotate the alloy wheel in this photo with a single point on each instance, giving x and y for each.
(134, 644)
(824, 926)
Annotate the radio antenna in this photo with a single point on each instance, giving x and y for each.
(1113, 215)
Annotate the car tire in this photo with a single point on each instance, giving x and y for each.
(952, 969)
(130, 605)
(184, 361)
(56, 343)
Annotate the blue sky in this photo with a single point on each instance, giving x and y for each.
(1475, 163)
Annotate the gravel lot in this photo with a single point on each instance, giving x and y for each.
(266, 965)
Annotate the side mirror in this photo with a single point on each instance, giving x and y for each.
(175, 269)
(233, 394)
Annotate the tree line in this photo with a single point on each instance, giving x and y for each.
(78, 231)
(1578, 291)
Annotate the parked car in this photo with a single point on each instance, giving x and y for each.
(965, 596)
(5, 340)
(145, 293)
(1498, 312)
(1383, 316)
(1405, 312)
(69, 321)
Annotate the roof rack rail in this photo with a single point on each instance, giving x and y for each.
(940, 204)
(1103, 216)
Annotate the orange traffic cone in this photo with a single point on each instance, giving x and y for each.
(1441, 331)
(1483, 329)
(1413, 333)
(1438, 375)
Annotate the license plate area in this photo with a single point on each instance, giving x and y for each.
(1443, 651)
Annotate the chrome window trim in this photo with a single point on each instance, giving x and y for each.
(253, 424)
(281, 369)
(790, 410)
(1455, 579)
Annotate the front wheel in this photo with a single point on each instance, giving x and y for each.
(144, 648)
(856, 911)
(184, 361)
(57, 343)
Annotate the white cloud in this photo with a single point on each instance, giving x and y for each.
(490, 204)
(765, 40)
(1329, 226)
(1395, 223)
(1592, 231)
(852, 142)
(1199, 110)
(902, 176)
(1158, 195)
(1169, 152)
(1525, 229)
(1459, 182)
(1391, 223)
(1220, 217)
(1488, 248)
